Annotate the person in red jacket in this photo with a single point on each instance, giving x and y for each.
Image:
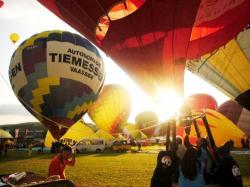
(59, 162)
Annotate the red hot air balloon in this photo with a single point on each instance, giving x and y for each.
(201, 101)
(151, 40)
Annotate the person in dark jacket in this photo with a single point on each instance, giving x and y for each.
(229, 171)
(164, 170)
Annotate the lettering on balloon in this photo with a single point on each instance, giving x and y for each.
(83, 64)
(15, 70)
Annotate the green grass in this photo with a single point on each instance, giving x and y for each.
(106, 169)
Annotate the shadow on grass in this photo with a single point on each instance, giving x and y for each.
(103, 154)
(16, 154)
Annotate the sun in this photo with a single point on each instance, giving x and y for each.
(167, 103)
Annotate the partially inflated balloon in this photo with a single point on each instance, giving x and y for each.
(56, 75)
(75, 133)
(151, 39)
(14, 37)
(111, 109)
(221, 128)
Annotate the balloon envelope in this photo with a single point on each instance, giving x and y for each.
(145, 120)
(221, 127)
(201, 101)
(56, 75)
(228, 68)
(112, 108)
(103, 134)
(5, 134)
(151, 40)
(237, 114)
(75, 133)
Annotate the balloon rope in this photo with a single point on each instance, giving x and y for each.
(33, 110)
(192, 117)
(203, 63)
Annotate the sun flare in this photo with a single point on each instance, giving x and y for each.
(167, 103)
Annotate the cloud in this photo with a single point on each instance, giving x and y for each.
(12, 114)
(8, 110)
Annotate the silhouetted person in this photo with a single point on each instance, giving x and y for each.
(164, 170)
(191, 169)
(186, 138)
(139, 146)
(228, 171)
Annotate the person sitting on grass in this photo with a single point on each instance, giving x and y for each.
(59, 162)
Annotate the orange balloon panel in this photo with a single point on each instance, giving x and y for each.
(221, 127)
(111, 109)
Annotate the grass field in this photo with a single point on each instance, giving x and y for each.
(106, 169)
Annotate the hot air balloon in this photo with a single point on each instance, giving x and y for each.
(56, 75)
(147, 121)
(104, 134)
(201, 101)
(221, 128)
(1, 3)
(228, 68)
(75, 133)
(237, 114)
(112, 108)
(14, 37)
(130, 131)
(151, 40)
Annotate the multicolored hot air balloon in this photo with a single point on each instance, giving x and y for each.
(237, 114)
(201, 101)
(14, 37)
(56, 75)
(112, 108)
(150, 39)
(228, 68)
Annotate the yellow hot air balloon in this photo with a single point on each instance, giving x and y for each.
(75, 133)
(14, 37)
(221, 127)
(111, 110)
(103, 134)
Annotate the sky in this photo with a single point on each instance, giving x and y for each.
(28, 17)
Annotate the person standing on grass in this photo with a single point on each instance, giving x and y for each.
(60, 161)
(229, 171)
(191, 169)
(164, 171)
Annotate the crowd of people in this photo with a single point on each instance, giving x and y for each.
(187, 165)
